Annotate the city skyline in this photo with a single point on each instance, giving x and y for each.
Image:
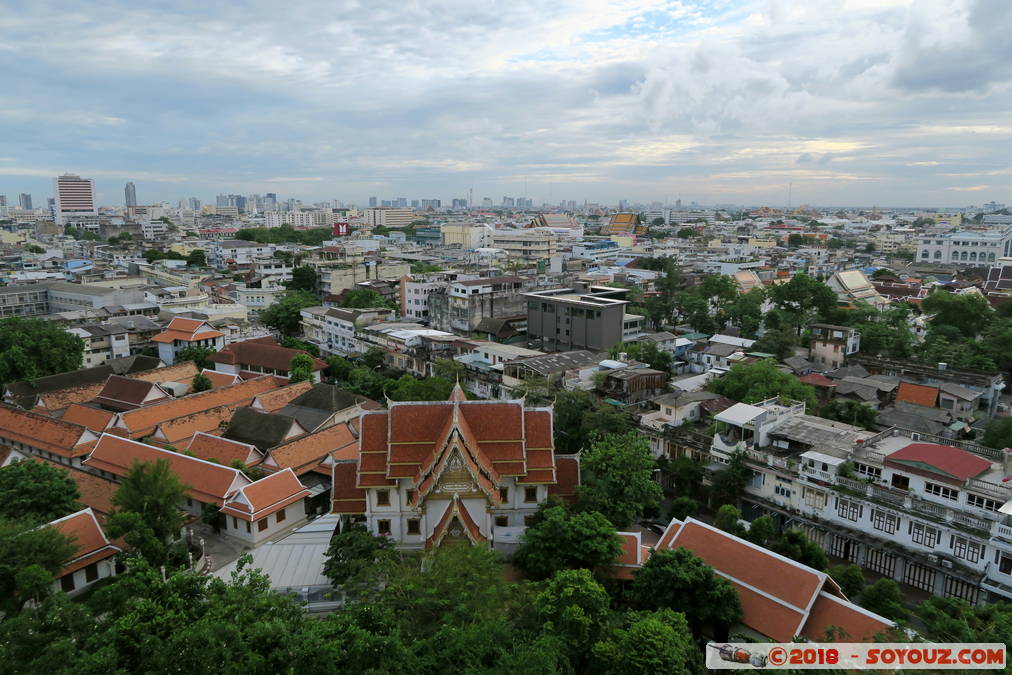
(887, 103)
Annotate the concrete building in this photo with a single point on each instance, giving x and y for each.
(565, 319)
(25, 201)
(831, 345)
(965, 247)
(130, 195)
(468, 236)
(227, 252)
(525, 244)
(102, 343)
(75, 197)
(183, 333)
(334, 330)
(389, 217)
(460, 306)
(337, 278)
(24, 300)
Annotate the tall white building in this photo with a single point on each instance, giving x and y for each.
(389, 217)
(75, 196)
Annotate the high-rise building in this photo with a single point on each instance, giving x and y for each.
(130, 195)
(271, 201)
(75, 196)
(25, 201)
(401, 202)
(372, 202)
(194, 204)
(3, 200)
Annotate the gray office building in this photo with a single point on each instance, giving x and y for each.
(25, 201)
(130, 195)
(566, 319)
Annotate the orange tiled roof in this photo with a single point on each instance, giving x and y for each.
(92, 545)
(858, 624)
(223, 450)
(95, 419)
(263, 354)
(219, 379)
(208, 483)
(455, 510)
(187, 330)
(307, 451)
(180, 429)
(143, 421)
(96, 492)
(917, 393)
(39, 431)
(177, 372)
(265, 496)
(277, 399)
(346, 496)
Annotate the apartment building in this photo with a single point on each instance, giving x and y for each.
(335, 330)
(902, 504)
(102, 343)
(461, 305)
(965, 247)
(566, 319)
(226, 252)
(468, 236)
(337, 278)
(24, 300)
(75, 198)
(831, 345)
(525, 244)
(389, 217)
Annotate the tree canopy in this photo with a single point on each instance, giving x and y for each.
(752, 383)
(33, 348)
(37, 491)
(199, 355)
(284, 315)
(617, 479)
(148, 514)
(561, 540)
(201, 382)
(30, 556)
(300, 369)
(364, 298)
(580, 417)
(304, 278)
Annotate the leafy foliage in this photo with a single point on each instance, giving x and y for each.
(849, 577)
(647, 352)
(617, 479)
(199, 355)
(575, 608)
(567, 541)
(729, 483)
(284, 315)
(998, 433)
(300, 369)
(796, 546)
(365, 298)
(201, 382)
(352, 553)
(885, 598)
(761, 381)
(33, 348)
(37, 491)
(152, 492)
(851, 412)
(30, 556)
(304, 278)
(285, 234)
(580, 417)
(648, 642)
(677, 579)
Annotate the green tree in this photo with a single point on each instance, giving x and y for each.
(33, 248)
(339, 367)
(728, 519)
(746, 312)
(617, 479)
(796, 546)
(410, 388)
(802, 299)
(199, 356)
(353, 553)
(649, 642)
(304, 278)
(849, 578)
(212, 515)
(567, 541)
(885, 598)
(998, 433)
(953, 620)
(761, 381)
(686, 474)
(295, 343)
(684, 507)
(33, 348)
(300, 369)
(677, 579)
(30, 557)
(285, 314)
(780, 342)
(686, 233)
(795, 240)
(201, 382)
(449, 369)
(197, 258)
(647, 352)
(365, 298)
(967, 314)
(575, 608)
(761, 531)
(851, 412)
(37, 491)
(155, 493)
(580, 417)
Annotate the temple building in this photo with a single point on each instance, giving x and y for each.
(456, 471)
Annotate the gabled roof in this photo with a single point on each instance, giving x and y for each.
(262, 354)
(46, 433)
(219, 379)
(917, 393)
(122, 393)
(943, 460)
(187, 330)
(265, 496)
(96, 492)
(208, 482)
(222, 450)
(262, 429)
(308, 451)
(56, 392)
(778, 595)
(277, 399)
(455, 511)
(91, 543)
(95, 419)
(143, 421)
(817, 380)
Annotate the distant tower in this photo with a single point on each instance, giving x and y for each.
(75, 196)
(25, 201)
(130, 195)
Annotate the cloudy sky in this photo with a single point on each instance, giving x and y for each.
(850, 101)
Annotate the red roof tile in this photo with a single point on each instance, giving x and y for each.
(223, 450)
(858, 624)
(946, 460)
(817, 380)
(263, 354)
(219, 379)
(95, 419)
(91, 543)
(124, 393)
(917, 393)
(345, 495)
(39, 431)
(308, 451)
(266, 496)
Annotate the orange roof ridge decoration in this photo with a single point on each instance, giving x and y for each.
(455, 511)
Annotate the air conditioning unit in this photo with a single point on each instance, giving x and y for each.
(947, 563)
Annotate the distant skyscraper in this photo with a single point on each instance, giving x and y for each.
(75, 196)
(25, 201)
(271, 201)
(3, 200)
(623, 204)
(130, 195)
(372, 202)
(402, 202)
(194, 204)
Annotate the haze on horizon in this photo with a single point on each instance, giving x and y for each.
(852, 101)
